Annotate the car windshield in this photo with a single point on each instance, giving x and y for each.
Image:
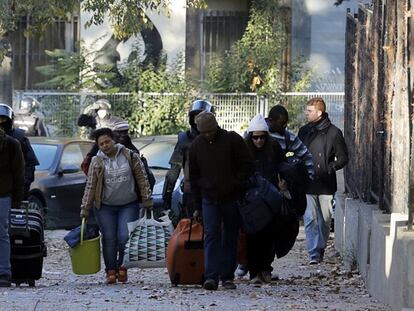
(158, 154)
(45, 154)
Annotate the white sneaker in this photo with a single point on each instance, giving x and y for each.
(241, 271)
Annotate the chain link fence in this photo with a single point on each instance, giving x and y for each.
(234, 110)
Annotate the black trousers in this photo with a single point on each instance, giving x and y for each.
(260, 250)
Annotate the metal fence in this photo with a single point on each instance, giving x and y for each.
(234, 110)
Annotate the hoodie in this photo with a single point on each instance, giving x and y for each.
(118, 185)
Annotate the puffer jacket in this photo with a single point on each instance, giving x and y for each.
(94, 186)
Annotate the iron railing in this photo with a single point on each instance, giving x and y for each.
(234, 110)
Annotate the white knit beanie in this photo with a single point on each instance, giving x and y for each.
(258, 124)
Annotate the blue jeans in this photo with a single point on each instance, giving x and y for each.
(5, 205)
(317, 219)
(113, 222)
(221, 229)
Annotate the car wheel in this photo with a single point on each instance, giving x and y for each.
(36, 204)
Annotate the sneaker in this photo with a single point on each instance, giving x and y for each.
(257, 280)
(210, 284)
(229, 284)
(313, 262)
(266, 276)
(111, 277)
(122, 275)
(241, 271)
(5, 281)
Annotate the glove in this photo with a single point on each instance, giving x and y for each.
(84, 213)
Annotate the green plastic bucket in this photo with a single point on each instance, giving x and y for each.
(86, 257)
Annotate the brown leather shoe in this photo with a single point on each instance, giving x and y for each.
(122, 275)
(111, 277)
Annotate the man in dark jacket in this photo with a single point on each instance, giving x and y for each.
(11, 194)
(179, 160)
(329, 152)
(30, 159)
(220, 165)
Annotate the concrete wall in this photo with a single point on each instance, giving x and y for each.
(381, 247)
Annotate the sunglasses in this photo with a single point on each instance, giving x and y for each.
(262, 137)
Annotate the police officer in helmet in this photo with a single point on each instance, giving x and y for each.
(6, 123)
(179, 160)
(29, 121)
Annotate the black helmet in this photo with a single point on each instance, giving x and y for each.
(198, 106)
(6, 111)
(202, 105)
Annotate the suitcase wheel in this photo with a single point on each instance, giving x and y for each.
(176, 280)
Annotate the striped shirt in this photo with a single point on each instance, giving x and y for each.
(297, 147)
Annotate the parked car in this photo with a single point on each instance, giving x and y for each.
(158, 150)
(59, 182)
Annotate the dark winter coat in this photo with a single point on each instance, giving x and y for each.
(267, 159)
(178, 161)
(219, 169)
(30, 158)
(283, 228)
(11, 169)
(329, 152)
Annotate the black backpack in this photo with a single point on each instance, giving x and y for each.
(150, 174)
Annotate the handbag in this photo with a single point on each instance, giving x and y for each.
(148, 241)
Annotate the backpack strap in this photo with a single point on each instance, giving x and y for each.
(287, 141)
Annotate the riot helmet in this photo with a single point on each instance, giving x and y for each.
(6, 117)
(198, 106)
(27, 104)
(103, 108)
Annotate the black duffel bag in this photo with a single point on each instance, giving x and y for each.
(260, 204)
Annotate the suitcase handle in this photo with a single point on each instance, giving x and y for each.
(191, 228)
(25, 205)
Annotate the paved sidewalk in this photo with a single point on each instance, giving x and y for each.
(301, 287)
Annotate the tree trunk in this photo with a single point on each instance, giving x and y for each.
(6, 74)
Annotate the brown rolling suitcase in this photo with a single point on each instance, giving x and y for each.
(185, 253)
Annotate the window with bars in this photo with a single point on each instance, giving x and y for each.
(29, 53)
(220, 29)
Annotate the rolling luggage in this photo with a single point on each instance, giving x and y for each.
(27, 245)
(185, 253)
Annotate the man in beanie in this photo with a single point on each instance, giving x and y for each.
(220, 166)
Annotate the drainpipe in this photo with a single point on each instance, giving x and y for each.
(27, 58)
(411, 111)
